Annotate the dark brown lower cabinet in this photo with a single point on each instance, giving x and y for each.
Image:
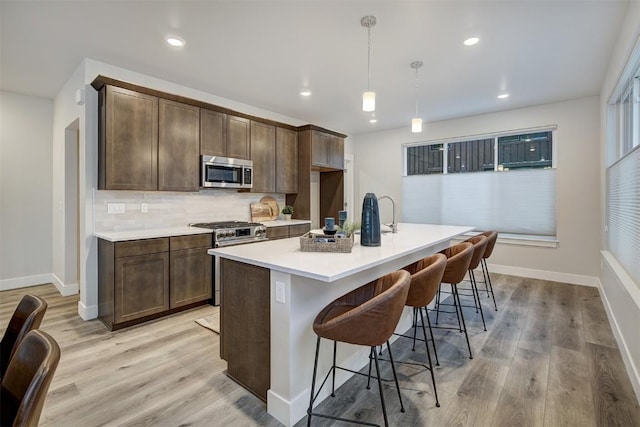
(140, 280)
(286, 231)
(141, 286)
(245, 327)
(191, 270)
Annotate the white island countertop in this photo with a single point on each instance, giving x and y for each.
(285, 255)
(121, 236)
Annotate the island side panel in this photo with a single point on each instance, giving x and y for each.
(245, 324)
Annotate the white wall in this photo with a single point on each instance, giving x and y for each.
(26, 125)
(620, 295)
(379, 163)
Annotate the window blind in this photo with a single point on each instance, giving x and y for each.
(518, 202)
(623, 213)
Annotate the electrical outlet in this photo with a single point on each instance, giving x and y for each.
(144, 207)
(280, 292)
(115, 208)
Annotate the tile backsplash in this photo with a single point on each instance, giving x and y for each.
(169, 209)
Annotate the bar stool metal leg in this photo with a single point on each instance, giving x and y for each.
(395, 377)
(487, 280)
(474, 289)
(464, 327)
(433, 340)
(384, 408)
(313, 383)
(426, 343)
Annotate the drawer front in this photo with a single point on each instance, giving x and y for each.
(275, 233)
(298, 229)
(141, 247)
(192, 241)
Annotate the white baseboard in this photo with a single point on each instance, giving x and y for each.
(555, 276)
(64, 289)
(621, 300)
(25, 282)
(39, 279)
(87, 312)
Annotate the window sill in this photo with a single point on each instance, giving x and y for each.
(522, 239)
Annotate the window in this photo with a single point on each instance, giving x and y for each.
(623, 172)
(501, 182)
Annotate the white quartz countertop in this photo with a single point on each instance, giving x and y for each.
(285, 255)
(283, 223)
(121, 236)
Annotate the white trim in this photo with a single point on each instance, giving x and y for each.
(626, 287)
(519, 239)
(554, 276)
(25, 282)
(64, 289)
(87, 312)
(482, 136)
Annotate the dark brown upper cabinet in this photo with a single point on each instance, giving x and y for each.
(224, 135)
(147, 143)
(286, 161)
(179, 145)
(327, 151)
(213, 133)
(263, 154)
(238, 137)
(127, 140)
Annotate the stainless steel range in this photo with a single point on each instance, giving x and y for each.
(227, 233)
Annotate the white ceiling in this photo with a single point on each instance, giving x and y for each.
(263, 52)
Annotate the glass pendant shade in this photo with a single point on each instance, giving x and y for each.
(416, 125)
(369, 101)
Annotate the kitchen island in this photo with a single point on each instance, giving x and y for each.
(272, 292)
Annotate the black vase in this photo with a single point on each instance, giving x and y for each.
(370, 224)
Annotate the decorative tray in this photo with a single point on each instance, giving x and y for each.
(316, 242)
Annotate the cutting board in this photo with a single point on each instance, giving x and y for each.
(261, 212)
(275, 210)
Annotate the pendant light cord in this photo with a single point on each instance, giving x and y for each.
(417, 91)
(369, 59)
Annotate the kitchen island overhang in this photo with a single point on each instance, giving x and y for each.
(300, 284)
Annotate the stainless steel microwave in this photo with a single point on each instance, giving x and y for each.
(225, 172)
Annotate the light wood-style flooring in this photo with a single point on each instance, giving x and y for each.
(548, 358)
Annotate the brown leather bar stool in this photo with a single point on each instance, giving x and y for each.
(458, 261)
(479, 243)
(27, 316)
(29, 374)
(492, 237)
(365, 316)
(424, 285)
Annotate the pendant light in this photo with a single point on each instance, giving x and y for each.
(416, 122)
(368, 97)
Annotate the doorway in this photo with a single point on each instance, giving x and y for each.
(72, 205)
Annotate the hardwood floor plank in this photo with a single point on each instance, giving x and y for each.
(596, 324)
(536, 334)
(567, 326)
(522, 400)
(569, 400)
(505, 333)
(613, 397)
(477, 397)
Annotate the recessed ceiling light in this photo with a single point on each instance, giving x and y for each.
(503, 96)
(373, 120)
(175, 41)
(305, 92)
(471, 41)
